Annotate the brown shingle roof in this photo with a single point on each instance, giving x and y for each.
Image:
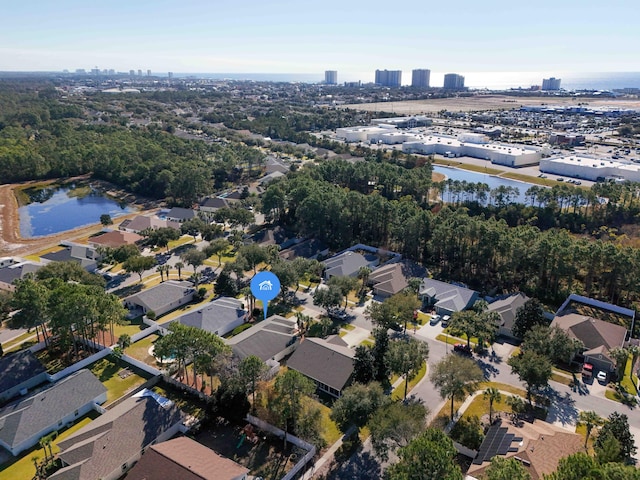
(591, 331)
(116, 238)
(184, 459)
(542, 445)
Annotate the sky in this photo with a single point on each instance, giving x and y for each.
(353, 37)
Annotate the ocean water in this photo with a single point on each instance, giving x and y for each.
(474, 80)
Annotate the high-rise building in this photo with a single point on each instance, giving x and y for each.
(420, 78)
(170, 74)
(453, 81)
(148, 73)
(389, 78)
(139, 72)
(132, 72)
(331, 77)
(552, 83)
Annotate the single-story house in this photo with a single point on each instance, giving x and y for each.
(20, 372)
(185, 459)
(329, 365)
(598, 309)
(271, 339)
(274, 164)
(275, 236)
(143, 222)
(213, 204)
(538, 446)
(446, 298)
(179, 214)
(24, 423)
(115, 239)
(598, 336)
(86, 256)
(507, 307)
(270, 177)
(310, 249)
(16, 271)
(219, 316)
(161, 298)
(392, 278)
(110, 445)
(347, 264)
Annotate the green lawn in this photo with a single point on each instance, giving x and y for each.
(398, 393)
(14, 341)
(131, 327)
(451, 340)
(23, 468)
(626, 382)
(140, 350)
(107, 372)
(330, 431)
(561, 379)
(465, 166)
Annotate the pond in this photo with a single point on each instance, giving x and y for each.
(55, 209)
(491, 180)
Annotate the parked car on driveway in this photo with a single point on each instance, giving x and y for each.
(602, 377)
(434, 319)
(445, 320)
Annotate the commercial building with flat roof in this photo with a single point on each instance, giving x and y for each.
(590, 168)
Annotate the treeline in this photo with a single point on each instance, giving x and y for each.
(41, 137)
(485, 252)
(579, 210)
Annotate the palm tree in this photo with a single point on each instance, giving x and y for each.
(363, 274)
(620, 357)
(493, 395)
(180, 266)
(160, 268)
(589, 419)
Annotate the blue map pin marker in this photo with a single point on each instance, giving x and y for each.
(265, 286)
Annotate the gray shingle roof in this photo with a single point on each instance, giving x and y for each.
(214, 202)
(346, 264)
(265, 339)
(507, 307)
(18, 368)
(113, 438)
(324, 362)
(448, 297)
(162, 295)
(181, 213)
(14, 272)
(21, 420)
(215, 316)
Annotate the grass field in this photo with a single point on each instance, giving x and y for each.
(398, 392)
(140, 350)
(107, 371)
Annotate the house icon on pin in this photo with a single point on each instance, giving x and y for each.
(265, 286)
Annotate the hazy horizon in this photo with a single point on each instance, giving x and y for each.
(285, 36)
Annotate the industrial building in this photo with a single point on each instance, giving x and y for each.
(331, 77)
(590, 168)
(453, 81)
(421, 141)
(389, 78)
(420, 78)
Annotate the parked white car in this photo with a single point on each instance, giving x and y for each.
(602, 377)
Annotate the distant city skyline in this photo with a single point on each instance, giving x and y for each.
(285, 36)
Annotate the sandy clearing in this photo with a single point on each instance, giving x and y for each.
(487, 102)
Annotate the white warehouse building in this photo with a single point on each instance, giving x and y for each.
(467, 144)
(508, 155)
(590, 168)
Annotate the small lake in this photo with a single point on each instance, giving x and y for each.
(492, 181)
(58, 208)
